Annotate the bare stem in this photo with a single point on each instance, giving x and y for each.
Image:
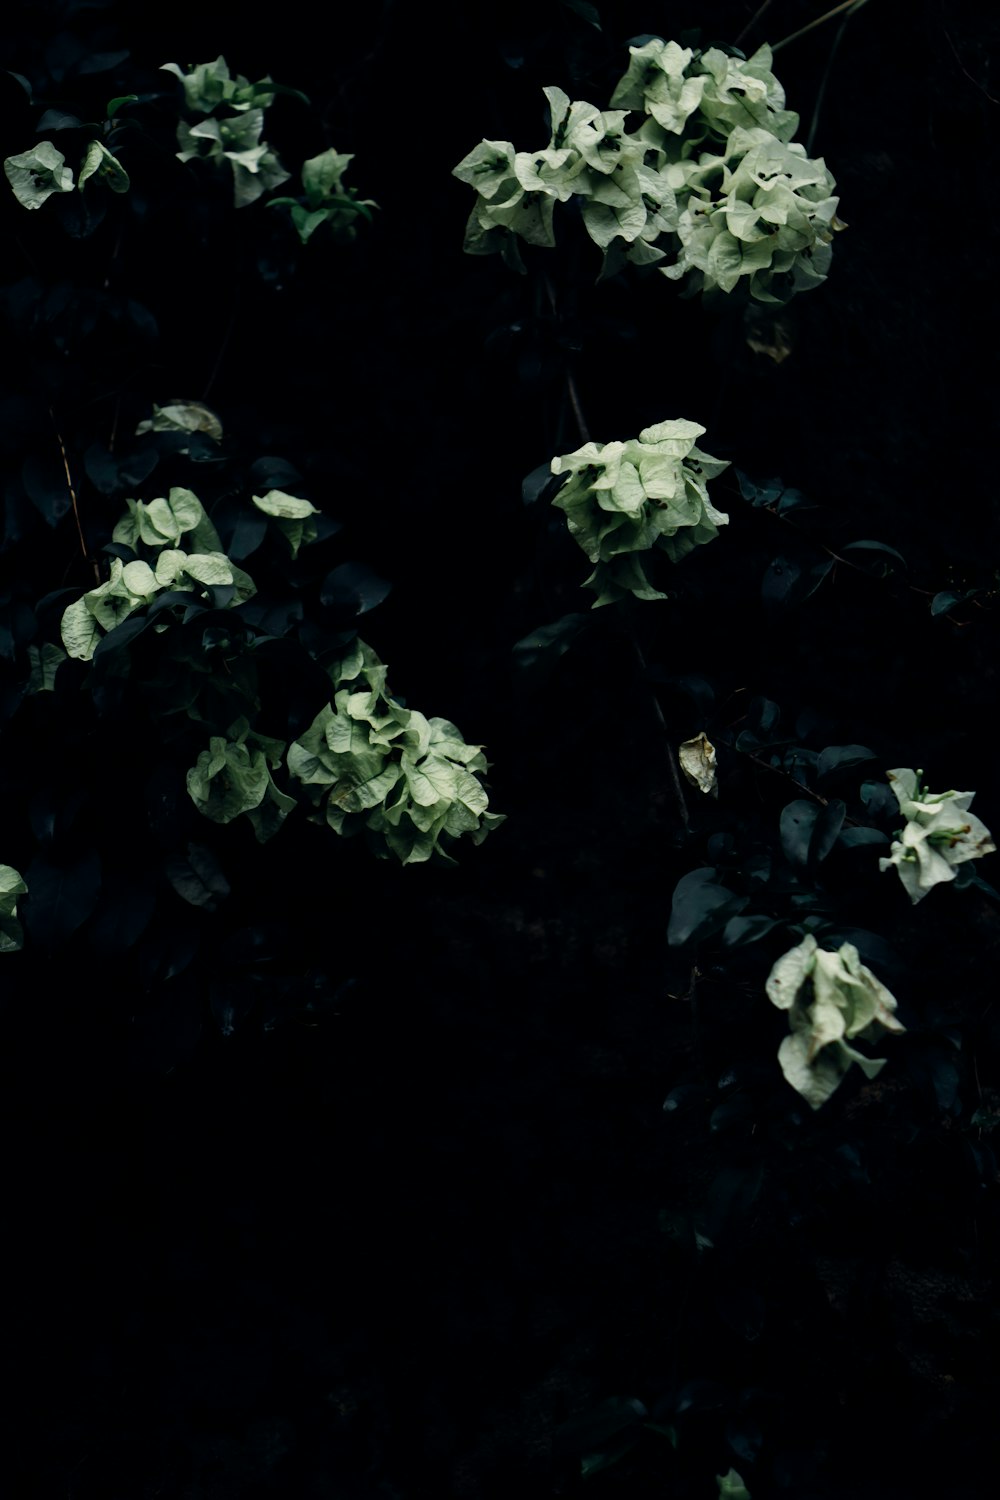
(73, 501)
(574, 401)
(848, 5)
(778, 771)
(752, 21)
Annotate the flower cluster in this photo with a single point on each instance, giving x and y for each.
(368, 762)
(234, 136)
(37, 174)
(325, 199)
(622, 499)
(940, 834)
(233, 776)
(156, 529)
(830, 998)
(11, 886)
(709, 177)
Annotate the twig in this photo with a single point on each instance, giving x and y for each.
(848, 5)
(574, 401)
(629, 625)
(821, 91)
(72, 495)
(222, 347)
(678, 789)
(752, 22)
(981, 87)
(779, 771)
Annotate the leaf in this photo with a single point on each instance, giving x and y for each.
(854, 838)
(585, 11)
(842, 757)
(701, 906)
(62, 895)
(197, 877)
(826, 829)
(942, 603)
(128, 900)
(881, 549)
(114, 105)
(285, 507)
(740, 931)
(697, 761)
(798, 821)
(590, 1430)
(57, 119)
(540, 484)
(354, 586)
(536, 655)
(779, 581)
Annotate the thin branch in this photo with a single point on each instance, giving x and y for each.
(981, 87)
(848, 5)
(678, 789)
(780, 771)
(574, 401)
(222, 347)
(752, 22)
(72, 495)
(821, 91)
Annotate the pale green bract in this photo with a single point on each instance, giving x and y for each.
(294, 517)
(622, 499)
(183, 416)
(831, 999)
(36, 174)
(234, 137)
(325, 200)
(11, 886)
(210, 84)
(233, 776)
(709, 178)
(101, 165)
(939, 835)
(368, 762)
(156, 528)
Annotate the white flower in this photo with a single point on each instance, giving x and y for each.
(829, 997)
(940, 833)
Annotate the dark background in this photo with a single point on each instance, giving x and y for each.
(407, 1243)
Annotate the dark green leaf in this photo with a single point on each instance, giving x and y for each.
(944, 602)
(590, 1430)
(585, 11)
(881, 550)
(114, 105)
(798, 820)
(197, 877)
(880, 800)
(700, 907)
(826, 829)
(540, 484)
(537, 654)
(854, 838)
(61, 896)
(780, 581)
(353, 588)
(842, 757)
(57, 119)
(739, 931)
